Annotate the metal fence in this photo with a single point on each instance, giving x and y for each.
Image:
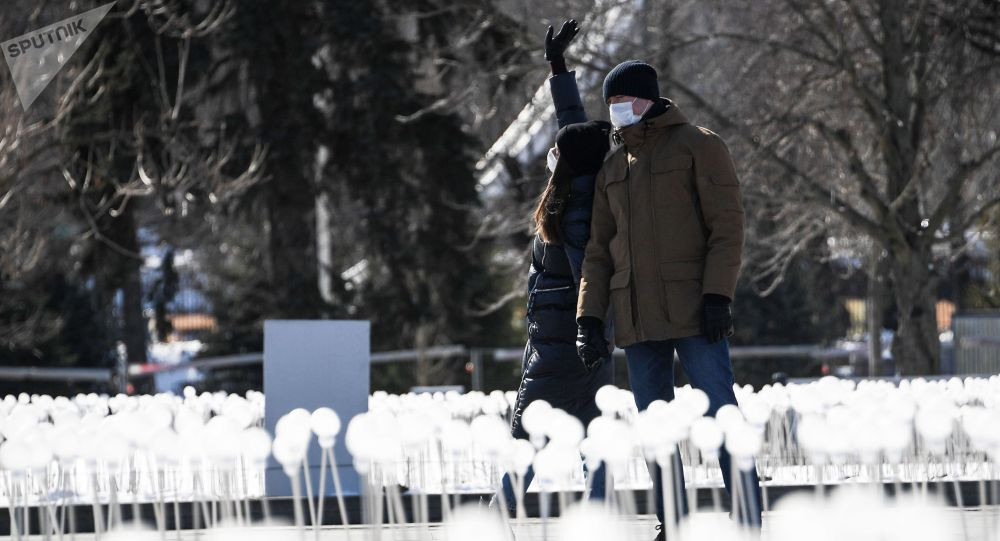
(476, 356)
(977, 343)
(37, 373)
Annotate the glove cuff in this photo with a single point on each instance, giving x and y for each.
(557, 65)
(589, 322)
(713, 299)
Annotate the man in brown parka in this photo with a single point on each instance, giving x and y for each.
(664, 255)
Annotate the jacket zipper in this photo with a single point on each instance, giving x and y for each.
(634, 301)
(551, 289)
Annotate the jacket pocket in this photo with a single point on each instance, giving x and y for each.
(621, 299)
(682, 291)
(724, 180)
(720, 192)
(555, 298)
(617, 193)
(671, 179)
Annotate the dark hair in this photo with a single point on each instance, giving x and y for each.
(550, 207)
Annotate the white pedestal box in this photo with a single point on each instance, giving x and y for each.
(309, 364)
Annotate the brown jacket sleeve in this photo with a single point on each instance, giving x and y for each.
(597, 263)
(722, 209)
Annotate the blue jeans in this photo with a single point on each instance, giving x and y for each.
(651, 376)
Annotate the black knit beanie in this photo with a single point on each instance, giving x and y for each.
(582, 146)
(632, 78)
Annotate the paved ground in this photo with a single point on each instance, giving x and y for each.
(970, 524)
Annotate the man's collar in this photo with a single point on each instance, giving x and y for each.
(634, 135)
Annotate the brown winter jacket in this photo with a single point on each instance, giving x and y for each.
(667, 227)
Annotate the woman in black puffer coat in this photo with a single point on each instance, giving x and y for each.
(551, 369)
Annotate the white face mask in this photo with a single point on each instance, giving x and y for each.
(622, 115)
(551, 159)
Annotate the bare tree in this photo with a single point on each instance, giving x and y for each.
(29, 162)
(861, 123)
(119, 126)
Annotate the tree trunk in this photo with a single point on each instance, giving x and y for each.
(424, 368)
(874, 308)
(134, 323)
(916, 347)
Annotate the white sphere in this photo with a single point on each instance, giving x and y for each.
(239, 411)
(112, 449)
(294, 424)
(743, 442)
(359, 436)
(756, 411)
(617, 451)
(652, 435)
(536, 416)
(220, 427)
(555, 464)
(607, 399)
(590, 456)
(222, 444)
(22, 421)
(325, 423)
(415, 430)
(839, 444)
(728, 416)
(933, 425)
(66, 416)
(289, 452)
(600, 427)
(165, 446)
(813, 434)
(511, 398)
(157, 416)
(522, 456)
(456, 436)
(564, 429)
(470, 522)
(188, 419)
(707, 436)
(696, 402)
(255, 444)
(588, 521)
(15, 456)
(489, 433)
(64, 443)
(866, 439)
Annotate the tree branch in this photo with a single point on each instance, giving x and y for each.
(868, 187)
(819, 194)
(956, 182)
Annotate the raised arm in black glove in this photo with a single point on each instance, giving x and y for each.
(591, 345)
(556, 46)
(717, 318)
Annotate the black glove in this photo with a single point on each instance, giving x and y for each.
(591, 345)
(556, 46)
(717, 318)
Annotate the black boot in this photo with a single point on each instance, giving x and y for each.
(661, 536)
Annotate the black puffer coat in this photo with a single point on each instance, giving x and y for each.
(551, 369)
